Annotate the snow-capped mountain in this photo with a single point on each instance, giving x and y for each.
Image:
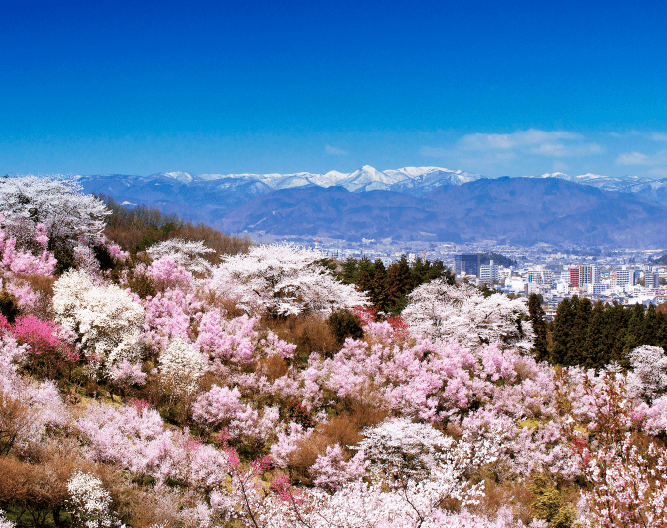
(411, 180)
(449, 204)
(609, 183)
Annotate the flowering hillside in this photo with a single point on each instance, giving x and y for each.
(166, 388)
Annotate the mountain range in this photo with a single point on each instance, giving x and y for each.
(412, 203)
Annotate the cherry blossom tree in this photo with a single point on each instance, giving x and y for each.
(57, 203)
(106, 317)
(89, 502)
(184, 253)
(461, 313)
(181, 366)
(648, 378)
(283, 279)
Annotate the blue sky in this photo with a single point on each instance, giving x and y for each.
(498, 88)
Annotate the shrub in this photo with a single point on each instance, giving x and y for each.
(344, 324)
(9, 306)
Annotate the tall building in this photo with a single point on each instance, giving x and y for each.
(488, 272)
(588, 274)
(468, 264)
(625, 277)
(652, 279)
(574, 277)
(583, 274)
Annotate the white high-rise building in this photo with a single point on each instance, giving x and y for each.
(625, 277)
(488, 272)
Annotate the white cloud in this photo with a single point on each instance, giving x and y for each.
(632, 158)
(514, 140)
(335, 151)
(659, 136)
(659, 172)
(560, 150)
(638, 158)
(504, 147)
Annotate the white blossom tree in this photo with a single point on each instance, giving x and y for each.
(106, 318)
(181, 366)
(89, 502)
(185, 253)
(461, 313)
(648, 378)
(56, 202)
(414, 470)
(283, 279)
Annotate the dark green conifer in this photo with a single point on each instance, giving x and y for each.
(595, 352)
(562, 330)
(539, 327)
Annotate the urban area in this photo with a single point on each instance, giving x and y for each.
(609, 275)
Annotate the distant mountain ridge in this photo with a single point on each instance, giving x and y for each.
(521, 211)
(412, 203)
(416, 181)
(413, 180)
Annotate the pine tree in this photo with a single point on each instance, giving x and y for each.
(379, 294)
(661, 324)
(596, 352)
(562, 330)
(399, 283)
(635, 330)
(651, 327)
(576, 352)
(350, 271)
(615, 328)
(365, 282)
(419, 272)
(539, 327)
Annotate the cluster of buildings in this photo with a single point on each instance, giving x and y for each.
(625, 284)
(610, 275)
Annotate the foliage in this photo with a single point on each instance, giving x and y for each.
(594, 336)
(498, 260)
(138, 228)
(344, 324)
(8, 305)
(388, 288)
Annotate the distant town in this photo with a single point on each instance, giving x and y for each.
(604, 274)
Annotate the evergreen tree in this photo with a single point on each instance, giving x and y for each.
(595, 351)
(419, 272)
(539, 327)
(634, 336)
(379, 294)
(365, 264)
(651, 327)
(399, 283)
(576, 352)
(615, 328)
(350, 271)
(365, 282)
(661, 324)
(562, 330)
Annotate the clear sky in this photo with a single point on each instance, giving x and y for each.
(493, 87)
